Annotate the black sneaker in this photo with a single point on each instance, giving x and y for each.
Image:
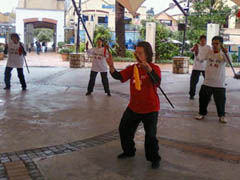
(191, 97)
(109, 94)
(24, 88)
(6, 88)
(155, 164)
(88, 94)
(125, 156)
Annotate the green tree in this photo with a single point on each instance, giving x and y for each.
(102, 32)
(202, 13)
(164, 48)
(43, 34)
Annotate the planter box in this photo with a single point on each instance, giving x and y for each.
(180, 65)
(65, 57)
(1, 56)
(77, 60)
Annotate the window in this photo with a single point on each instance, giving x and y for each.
(101, 20)
(85, 18)
(166, 22)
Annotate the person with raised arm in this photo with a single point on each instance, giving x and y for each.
(15, 50)
(214, 82)
(99, 64)
(144, 103)
(200, 52)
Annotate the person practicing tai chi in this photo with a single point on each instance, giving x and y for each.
(144, 103)
(99, 64)
(15, 51)
(214, 82)
(200, 51)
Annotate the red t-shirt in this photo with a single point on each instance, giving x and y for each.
(146, 100)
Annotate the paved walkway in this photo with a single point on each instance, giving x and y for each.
(53, 131)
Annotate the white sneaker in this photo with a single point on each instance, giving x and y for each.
(199, 117)
(222, 119)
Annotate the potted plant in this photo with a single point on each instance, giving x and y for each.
(65, 53)
(60, 45)
(1, 53)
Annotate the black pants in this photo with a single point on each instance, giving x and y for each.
(219, 95)
(128, 127)
(194, 80)
(7, 77)
(105, 83)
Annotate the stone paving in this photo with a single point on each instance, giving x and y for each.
(53, 131)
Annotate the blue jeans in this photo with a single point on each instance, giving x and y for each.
(8, 75)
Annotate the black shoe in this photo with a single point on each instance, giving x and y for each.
(155, 164)
(88, 94)
(109, 94)
(191, 97)
(6, 88)
(24, 88)
(125, 156)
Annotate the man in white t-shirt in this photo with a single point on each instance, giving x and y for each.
(99, 64)
(200, 52)
(214, 82)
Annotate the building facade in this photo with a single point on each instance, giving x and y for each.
(168, 20)
(100, 12)
(7, 26)
(31, 14)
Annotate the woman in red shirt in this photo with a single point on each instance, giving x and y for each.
(144, 103)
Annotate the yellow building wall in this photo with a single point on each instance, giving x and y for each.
(41, 4)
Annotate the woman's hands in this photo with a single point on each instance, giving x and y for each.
(143, 63)
(224, 49)
(146, 66)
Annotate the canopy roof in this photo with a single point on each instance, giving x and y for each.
(237, 2)
(131, 5)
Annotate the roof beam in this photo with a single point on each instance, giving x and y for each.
(180, 7)
(237, 2)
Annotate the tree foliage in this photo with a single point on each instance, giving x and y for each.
(164, 48)
(43, 34)
(204, 12)
(102, 32)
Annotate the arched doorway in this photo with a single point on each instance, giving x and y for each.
(34, 23)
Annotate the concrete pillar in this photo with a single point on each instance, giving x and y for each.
(212, 30)
(151, 35)
(29, 34)
(90, 29)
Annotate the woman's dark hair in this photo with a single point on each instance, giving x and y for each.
(219, 38)
(101, 39)
(202, 37)
(15, 35)
(147, 50)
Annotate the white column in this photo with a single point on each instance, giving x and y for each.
(212, 30)
(150, 36)
(90, 29)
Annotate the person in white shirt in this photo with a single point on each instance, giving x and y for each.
(200, 51)
(214, 82)
(99, 64)
(15, 52)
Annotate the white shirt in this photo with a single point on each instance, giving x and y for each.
(99, 63)
(14, 59)
(215, 69)
(199, 60)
